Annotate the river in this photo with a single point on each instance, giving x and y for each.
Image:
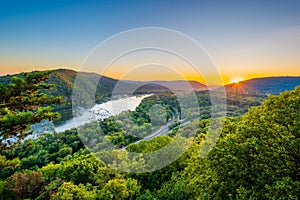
(101, 111)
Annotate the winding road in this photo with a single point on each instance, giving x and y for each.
(160, 130)
(157, 132)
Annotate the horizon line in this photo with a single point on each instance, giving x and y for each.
(157, 80)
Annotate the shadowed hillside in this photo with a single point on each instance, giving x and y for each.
(268, 85)
(100, 88)
(63, 79)
(169, 86)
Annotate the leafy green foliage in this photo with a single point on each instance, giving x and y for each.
(69, 190)
(22, 104)
(33, 154)
(256, 156)
(120, 189)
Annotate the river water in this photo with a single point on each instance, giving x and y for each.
(101, 111)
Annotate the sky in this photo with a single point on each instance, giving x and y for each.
(244, 39)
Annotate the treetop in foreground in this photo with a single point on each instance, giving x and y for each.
(22, 104)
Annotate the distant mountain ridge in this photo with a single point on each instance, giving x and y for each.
(63, 79)
(170, 86)
(266, 85)
(182, 85)
(91, 91)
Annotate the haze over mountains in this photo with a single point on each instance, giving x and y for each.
(267, 85)
(64, 85)
(64, 79)
(90, 89)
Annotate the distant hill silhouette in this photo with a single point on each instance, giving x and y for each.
(172, 86)
(64, 84)
(268, 85)
(63, 79)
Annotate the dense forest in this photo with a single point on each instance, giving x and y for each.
(257, 155)
(63, 81)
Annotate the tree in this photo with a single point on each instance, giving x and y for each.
(6, 192)
(8, 167)
(120, 189)
(27, 185)
(258, 158)
(69, 190)
(175, 189)
(21, 104)
(80, 169)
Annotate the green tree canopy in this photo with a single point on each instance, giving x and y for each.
(258, 158)
(22, 103)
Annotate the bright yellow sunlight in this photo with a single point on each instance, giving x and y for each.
(236, 80)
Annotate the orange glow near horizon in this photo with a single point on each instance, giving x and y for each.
(236, 80)
(238, 88)
(187, 75)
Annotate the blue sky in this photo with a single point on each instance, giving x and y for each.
(244, 38)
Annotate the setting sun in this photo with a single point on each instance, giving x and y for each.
(236, 80)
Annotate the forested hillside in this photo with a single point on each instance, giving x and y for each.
(63, 81)
(268, 85)
(256, 157)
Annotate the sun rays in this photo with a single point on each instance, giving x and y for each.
(238, 87)
(236, 80)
